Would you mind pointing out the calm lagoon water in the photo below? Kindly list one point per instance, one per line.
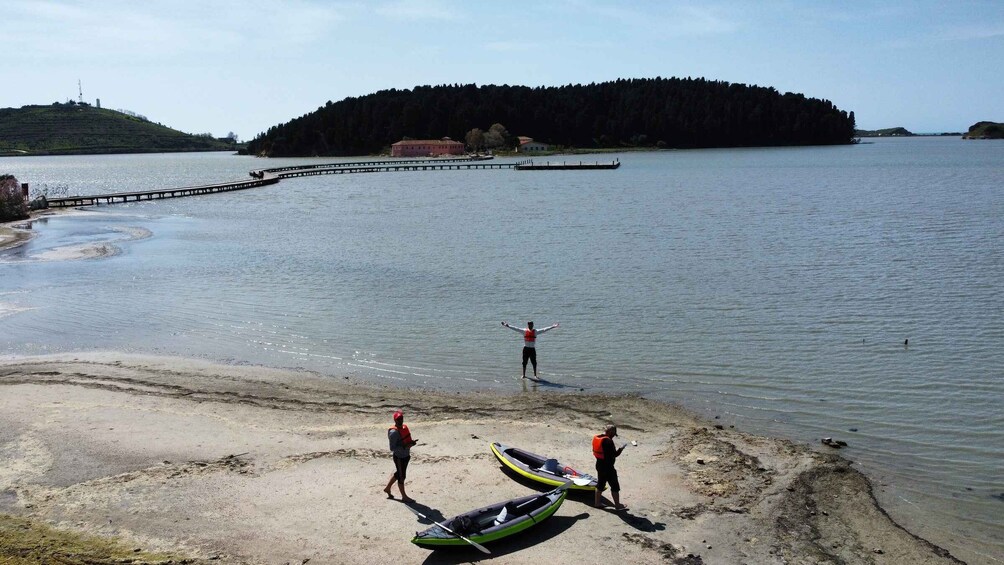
(773, 288)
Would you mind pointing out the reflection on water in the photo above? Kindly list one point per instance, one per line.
(773, 288)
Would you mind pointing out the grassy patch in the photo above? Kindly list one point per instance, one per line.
(62, 129)
(24, 542)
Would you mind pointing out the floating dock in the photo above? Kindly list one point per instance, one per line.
(566, 166)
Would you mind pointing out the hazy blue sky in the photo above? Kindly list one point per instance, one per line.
(219, 66)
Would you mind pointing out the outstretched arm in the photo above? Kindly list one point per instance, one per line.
(513, 328)
(548, 328)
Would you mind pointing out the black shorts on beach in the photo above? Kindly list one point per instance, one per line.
(531, 354)
(401, 467)
(606, 474)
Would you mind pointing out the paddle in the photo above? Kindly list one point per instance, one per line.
(477, 545)
(581, 482)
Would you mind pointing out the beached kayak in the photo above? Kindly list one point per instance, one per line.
(541, 469)
(492, 523)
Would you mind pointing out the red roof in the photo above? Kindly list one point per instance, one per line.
(427, 142)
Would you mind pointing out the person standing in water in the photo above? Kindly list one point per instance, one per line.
(529, 343)
(400, 447)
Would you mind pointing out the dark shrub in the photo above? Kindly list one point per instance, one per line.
(12, 203)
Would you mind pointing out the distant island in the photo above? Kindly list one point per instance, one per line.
(74, 128)
(887, 132)
(985, 130)
(902, 132)
(626, 113)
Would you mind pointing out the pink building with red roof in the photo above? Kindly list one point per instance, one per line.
(426, 148)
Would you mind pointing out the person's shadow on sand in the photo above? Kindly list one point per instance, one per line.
(552, 527)
(537, 384)
(640, 523)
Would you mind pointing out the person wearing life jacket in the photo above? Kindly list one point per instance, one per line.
(529, 343)
(400, 447)
(606, 454)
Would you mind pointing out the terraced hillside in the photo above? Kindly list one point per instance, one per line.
(63, 129)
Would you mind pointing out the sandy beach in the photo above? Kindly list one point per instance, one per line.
(18, 232)
(12, 237)
(236, 464)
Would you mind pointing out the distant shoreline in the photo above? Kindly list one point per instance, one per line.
(952, 134)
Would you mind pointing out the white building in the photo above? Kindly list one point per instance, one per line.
(528, 145)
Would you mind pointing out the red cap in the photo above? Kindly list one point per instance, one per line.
(398, 415)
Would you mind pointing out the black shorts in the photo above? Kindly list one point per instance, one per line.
(606, 474)
(531, 354)
(401, 467)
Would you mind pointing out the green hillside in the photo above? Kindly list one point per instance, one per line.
(65, 129)
(985, 130)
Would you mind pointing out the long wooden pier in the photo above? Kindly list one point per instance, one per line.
(383, 168)
(371, 163)
(119, 197)
(265, 177)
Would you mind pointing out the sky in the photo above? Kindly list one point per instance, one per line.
(221, 67)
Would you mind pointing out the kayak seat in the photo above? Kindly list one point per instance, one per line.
(551, 466)
(508, 512)
(531, 505)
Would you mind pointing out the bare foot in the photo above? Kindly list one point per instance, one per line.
(389, 495)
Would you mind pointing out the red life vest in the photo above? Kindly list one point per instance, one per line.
(598, 446)
(405, 435)
(530, 335)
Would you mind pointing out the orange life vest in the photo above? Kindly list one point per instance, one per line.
(530, 335)
(598, 446)
(405, 435)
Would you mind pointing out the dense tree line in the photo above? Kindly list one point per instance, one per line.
(673, 112)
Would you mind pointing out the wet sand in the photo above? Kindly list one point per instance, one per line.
(11, 237)
(252, 465)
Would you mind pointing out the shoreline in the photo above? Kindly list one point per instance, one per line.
(15, 233)
(258, 465)
(12, 237)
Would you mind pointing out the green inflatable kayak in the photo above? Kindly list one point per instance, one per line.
(492, 523)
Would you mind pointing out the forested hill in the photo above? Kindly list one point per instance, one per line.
(675, 113)
(71, 128)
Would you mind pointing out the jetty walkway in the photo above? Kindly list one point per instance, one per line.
(264, 177)
(566, 166)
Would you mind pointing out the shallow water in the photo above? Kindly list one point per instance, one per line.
(773, 288)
